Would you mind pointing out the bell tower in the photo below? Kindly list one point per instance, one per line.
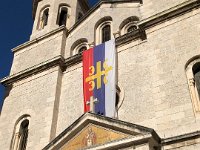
(50, 14)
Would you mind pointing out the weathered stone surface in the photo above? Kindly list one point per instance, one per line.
(151, 73)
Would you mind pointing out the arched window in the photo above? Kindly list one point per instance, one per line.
(79, 46)
(106, 33)
(20, 137)
(119, 98)
(23, 134)
(44, 18)
(193, 76)
(196, 72)
(103, 30)
(131, 28)
(129, 25)
(83, 48)
(62, 16)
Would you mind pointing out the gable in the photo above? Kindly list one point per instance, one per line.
(93, 135)
(92, 131)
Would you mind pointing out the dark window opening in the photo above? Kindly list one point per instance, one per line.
(106, 33)
(62, 17)
(196, 72)
(80, 15)
(132, 28)
(45, 17)
(23, 133)
(117, 100)
(82, 49)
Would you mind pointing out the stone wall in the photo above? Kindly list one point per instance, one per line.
(152, 72)
(34, 96)
(152, 7)
(38, 52)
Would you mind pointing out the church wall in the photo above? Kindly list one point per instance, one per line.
(34, 96)
(152, 72)
(71, 100)
(87, 28)
(152, 7)
(38, 52)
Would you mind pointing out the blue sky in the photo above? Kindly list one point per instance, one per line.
(15, 28)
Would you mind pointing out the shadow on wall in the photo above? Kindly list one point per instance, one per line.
(6, 92)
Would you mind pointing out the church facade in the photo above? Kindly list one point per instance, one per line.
(158, 77)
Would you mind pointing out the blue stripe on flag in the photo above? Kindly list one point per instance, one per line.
(99, 55)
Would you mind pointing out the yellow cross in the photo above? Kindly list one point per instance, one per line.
(98, 75)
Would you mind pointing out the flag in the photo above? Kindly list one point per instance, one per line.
(99, 79)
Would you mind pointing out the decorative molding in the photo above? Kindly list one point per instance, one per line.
(134, 35)
(139, 133)
(58, 60)
(62, 28)
(184, 137)
(169, 13)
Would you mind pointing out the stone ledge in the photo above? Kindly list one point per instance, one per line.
(58, 60)
(169, 13)
(184, 137)
(26, 44)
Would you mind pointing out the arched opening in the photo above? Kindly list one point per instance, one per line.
(131, 28)
(44, 17)
(23, 134)
(79, 46)
(83, 48)
(117, 100)
(62, 18)
(192, 69)
(129, 25)
(20, 134)
(103, 30)
(196, 72)
(106, 33)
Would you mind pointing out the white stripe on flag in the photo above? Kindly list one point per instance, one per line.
(110, 87)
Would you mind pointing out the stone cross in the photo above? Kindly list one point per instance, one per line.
(92, 103)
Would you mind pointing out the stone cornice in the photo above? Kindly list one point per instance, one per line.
(169, 13)
(95, 7)
(26, 44)
(56, 61)
(134, 35)
(184, 137)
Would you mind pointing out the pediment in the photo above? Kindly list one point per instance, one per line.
(92, 131)
(93, 135)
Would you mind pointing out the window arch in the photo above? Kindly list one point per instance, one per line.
(62, 16)
(44, 17)
(131, 28)
(119, 98)
(79, 46)
(103, 30)
(106, 33)
(21, 131)
(129, 25)
(193, 76)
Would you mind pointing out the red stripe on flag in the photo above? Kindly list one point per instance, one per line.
(87, 63)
